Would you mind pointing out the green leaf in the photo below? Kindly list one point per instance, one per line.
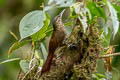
(118, 13)
(81, 13)
(64, 3)
(95, 77)
(68, 24)
(106, 38)
(44, 51)
(117, 8)
(41, 34)
(61, 3)
(47, 8)
(96, 10)
(10, 60)
(100, 75)
(17, 45)
(49, 31)
(24, 64)
(31, 23)
(41, 62)
(115, 22)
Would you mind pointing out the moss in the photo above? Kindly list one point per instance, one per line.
(90, 49)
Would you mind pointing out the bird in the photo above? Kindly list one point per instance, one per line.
(56, 40)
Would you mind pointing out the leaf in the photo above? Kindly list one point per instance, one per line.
(64, 3)
(58, 3)
(117, 8)
(46, 8)
(100, 75)
(31, 23)
(13, 34)
(49, 31)
(96, 10)
(17, 45)
(61, 3)
(41, 34)
(118, 13)
(81, 11)
(106, 28)
(41, 62)
(38, 36)
(10, 60)
(44, 51)
(106, 38)
(24, 64)
(51, 1)
(115, 22)
(68, 23)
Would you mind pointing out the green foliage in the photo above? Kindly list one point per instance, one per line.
(17, 45)
(31, 23)
(44, 51)
(98, 76)
(36, 25)
(2, 2)
(106, 38)
(118, 13)
(115, 22)
(113, 17)
(49, 31)
(96, 10)
(64, 3)
(68, 24)
(9, 60)
(41, 33)
(24, 64)
(58, 3)
(61, 3)
(82, 13)
(117, 9)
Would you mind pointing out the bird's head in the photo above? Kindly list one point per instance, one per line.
(58, 20)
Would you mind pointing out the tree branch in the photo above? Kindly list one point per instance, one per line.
(109, 55)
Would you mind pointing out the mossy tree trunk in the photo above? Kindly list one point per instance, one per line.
(77, 58)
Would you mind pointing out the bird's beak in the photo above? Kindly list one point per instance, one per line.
(61, 14)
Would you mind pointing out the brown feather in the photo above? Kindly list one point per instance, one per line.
(56, 40)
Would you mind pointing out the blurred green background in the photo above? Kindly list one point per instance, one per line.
(11, 12)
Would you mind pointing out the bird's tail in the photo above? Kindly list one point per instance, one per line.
(46, 66)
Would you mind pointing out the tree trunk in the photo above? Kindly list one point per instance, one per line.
(77, 58)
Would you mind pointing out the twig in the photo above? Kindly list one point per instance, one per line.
(28, 72)
(109, 55)
(19, 75)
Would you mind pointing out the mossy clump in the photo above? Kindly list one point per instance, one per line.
(89, 50)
